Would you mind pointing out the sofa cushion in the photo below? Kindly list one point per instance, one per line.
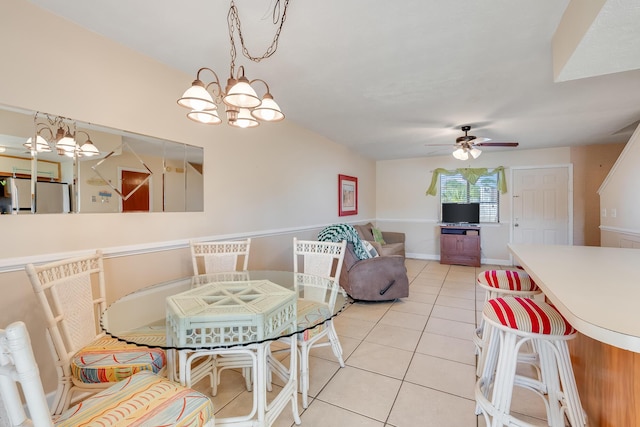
(364, 231)
(394, 242)
(392, 249)
(377, 236)
(369, 247)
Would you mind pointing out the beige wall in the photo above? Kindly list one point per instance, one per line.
(591, 164)
(619, 193)
(270, 183)
(401, 203)
(272, 177)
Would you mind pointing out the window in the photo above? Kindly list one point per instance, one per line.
(456, 189)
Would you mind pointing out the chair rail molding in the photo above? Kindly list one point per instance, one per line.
(19, 263)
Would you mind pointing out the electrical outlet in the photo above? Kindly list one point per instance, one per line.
(603, 212)
(613, 213)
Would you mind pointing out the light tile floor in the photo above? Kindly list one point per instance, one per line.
(409, 362)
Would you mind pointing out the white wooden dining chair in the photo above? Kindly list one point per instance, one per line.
(144, 398)
(208, 258)
(218, 257)
(71, 294)
(323, 259)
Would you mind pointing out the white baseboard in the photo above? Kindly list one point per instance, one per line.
(432, 257)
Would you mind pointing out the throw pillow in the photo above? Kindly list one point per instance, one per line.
(370, 249)
(377, 236)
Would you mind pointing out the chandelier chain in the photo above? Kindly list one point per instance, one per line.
(233, 20)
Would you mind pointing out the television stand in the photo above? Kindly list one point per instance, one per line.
(460, 244)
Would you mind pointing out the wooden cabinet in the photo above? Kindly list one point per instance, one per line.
(460, 245)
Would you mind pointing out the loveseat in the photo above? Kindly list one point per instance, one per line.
(392, 242)
(381, 278)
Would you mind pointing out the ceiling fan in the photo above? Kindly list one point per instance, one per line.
(467, 145)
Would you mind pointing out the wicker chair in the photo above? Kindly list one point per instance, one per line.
(322, 259)
(71, 293)
(142, 399)
(218, 257)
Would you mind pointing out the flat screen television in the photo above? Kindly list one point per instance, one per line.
(461, 213)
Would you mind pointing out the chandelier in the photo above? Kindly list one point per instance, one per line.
(243, 107)
(63, 140)
(465, 150)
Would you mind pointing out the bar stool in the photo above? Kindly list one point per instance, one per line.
(514, 322)
(500, 283)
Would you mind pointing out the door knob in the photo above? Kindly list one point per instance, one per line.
(516, 225)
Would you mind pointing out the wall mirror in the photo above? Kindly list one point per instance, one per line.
(99, 170)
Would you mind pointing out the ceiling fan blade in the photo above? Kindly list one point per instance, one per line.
(440, 145)
(497, 144)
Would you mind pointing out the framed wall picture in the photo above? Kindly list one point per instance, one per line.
(347, 195)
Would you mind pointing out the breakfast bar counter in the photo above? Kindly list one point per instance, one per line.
(597, 289)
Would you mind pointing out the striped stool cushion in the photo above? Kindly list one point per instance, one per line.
(144, 399)
(110, 360)
(510, 280)
(527, 315)
(311, 313)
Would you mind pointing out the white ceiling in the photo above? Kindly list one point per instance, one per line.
(386, 78)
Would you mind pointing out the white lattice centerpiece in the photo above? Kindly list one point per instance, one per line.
(230, 313)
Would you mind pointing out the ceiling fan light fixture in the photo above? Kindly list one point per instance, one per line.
(475, 152)
(467, 145)
(461, 154)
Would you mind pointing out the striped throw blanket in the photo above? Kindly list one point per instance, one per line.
(340, 232)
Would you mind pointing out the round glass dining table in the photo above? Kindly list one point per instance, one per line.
(229, 313)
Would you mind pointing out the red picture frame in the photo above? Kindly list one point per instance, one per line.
(347, 195)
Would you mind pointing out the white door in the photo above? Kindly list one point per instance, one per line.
(541, 206)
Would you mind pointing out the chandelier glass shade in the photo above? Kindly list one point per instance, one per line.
(243, 106)
(41, 145)
(63, 140)
(208, 117)
(268, 111)
(242, 95)
(87, 149)
(244, 119)
(197, 98)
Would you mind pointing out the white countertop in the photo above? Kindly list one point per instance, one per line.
(597, 289)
